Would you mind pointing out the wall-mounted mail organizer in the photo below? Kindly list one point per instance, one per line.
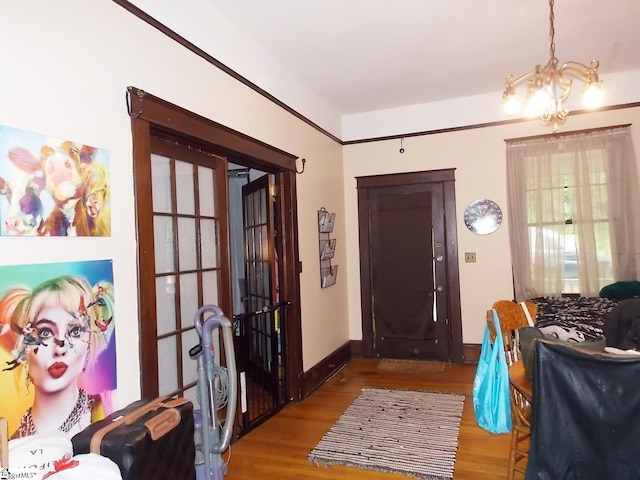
(328, 272)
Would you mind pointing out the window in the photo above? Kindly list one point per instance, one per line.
(571, 200)
(558, 236)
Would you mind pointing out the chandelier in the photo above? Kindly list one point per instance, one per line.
(548, 87)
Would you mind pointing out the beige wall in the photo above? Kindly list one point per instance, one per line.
(65, 68)
(478, 156)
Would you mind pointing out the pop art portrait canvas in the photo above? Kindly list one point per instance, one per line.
(52, 187)
(57, 346)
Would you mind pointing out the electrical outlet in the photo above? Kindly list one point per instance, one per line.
(470, 257)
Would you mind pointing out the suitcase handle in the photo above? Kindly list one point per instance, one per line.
(163, 423)
(128, 419)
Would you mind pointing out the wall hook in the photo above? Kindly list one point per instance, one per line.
(304, 160)
(401, 147)
(129, 100)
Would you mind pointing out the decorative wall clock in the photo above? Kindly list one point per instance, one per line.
(483, 216)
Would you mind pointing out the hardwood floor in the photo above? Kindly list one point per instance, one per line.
(278, 448)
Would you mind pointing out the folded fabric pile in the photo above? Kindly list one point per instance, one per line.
(573, 314)
(50, 456)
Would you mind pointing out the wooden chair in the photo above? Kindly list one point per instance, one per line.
(509, 324)
(512, 317)
(520, 433)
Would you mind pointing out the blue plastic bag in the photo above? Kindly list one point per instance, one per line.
(491, 400)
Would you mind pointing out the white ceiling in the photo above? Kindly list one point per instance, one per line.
(367, 55)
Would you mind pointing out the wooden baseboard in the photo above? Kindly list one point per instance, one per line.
(332, 363)
(356, 348)
(324, 370)
(471, 352)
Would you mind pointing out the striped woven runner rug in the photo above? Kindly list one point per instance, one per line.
(407, 432)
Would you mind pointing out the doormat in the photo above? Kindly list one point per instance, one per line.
(400, 431)
(410, 366)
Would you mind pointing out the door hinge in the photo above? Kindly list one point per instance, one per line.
(273, 190)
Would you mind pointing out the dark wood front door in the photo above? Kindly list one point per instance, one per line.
(407, 293)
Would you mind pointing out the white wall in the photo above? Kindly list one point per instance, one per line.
(478, 155)
(619, 89)
(200, 23)
(65, 69)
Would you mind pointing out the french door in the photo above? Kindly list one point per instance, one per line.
(189, 192)
(260, 330)
(181, 159)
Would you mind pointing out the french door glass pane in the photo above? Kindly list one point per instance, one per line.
(210, 287)
(189, 366)
(185, 199)
(160, 184)
(167, 365)
(163, 242)
(206, 187)
(264, 243)
(266, 280)
(166, 304)
(188, 298)
(187, 244)
(208, 242)
(251, 244)
(263, 208)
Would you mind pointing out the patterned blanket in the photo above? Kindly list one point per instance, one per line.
(569, 318)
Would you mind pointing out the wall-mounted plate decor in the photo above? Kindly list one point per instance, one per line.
(483, 216)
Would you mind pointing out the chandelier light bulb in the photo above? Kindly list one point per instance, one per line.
(539, 104)
(511, 104)
(593, 96)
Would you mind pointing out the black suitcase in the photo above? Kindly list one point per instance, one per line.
(148, 440)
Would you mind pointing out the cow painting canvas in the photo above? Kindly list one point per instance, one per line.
(52, 187)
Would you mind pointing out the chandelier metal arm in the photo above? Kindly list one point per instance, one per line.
(514, 82)
(577, 70)
(581, 71)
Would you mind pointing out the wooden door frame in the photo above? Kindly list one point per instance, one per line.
(151, 114)
(447, 178)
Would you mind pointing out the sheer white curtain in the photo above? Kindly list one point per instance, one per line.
(578, 195)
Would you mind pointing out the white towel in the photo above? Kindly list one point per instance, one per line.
(50, 456)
